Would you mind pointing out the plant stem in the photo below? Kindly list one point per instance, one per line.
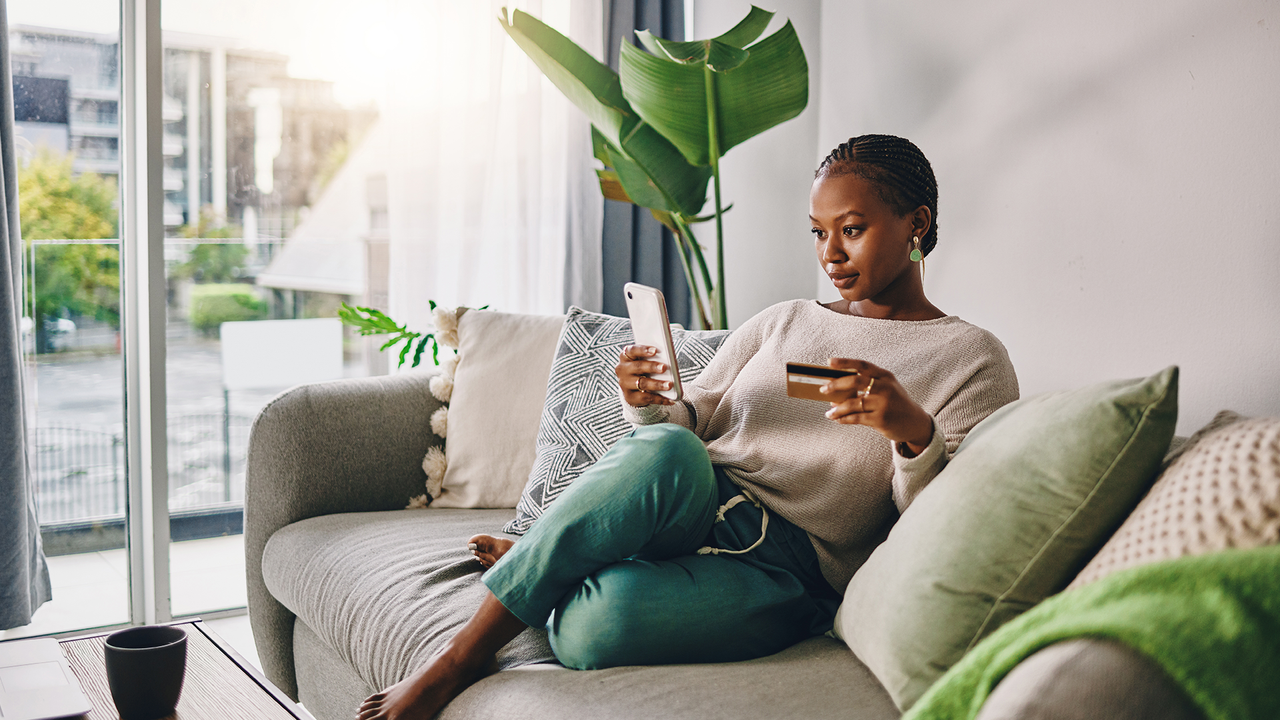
(684, 234)
(713, 138)
(697, 254)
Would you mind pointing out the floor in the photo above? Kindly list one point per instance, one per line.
(91, 590)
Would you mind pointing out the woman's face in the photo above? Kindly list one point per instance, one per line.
(862, 245)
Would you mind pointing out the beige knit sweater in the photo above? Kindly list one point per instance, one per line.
(843, 484)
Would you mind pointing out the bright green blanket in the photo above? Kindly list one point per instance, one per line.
(1212, 622)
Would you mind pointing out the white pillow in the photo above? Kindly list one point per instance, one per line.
(504, 360)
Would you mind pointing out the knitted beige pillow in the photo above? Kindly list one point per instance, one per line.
(1220, 490)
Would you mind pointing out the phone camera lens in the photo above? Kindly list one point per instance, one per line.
(629, 295)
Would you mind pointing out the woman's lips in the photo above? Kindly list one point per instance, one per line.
(844, 282)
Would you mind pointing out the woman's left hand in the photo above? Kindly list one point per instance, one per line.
(874, 397)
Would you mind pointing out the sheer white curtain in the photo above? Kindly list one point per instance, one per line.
(491, 195)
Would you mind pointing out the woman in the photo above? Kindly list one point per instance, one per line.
(728, 524)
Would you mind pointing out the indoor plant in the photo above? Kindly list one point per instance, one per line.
(662, 123)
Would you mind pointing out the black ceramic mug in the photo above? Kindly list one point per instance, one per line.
(145, 667)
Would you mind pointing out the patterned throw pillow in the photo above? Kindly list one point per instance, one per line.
(582, 417)
(1222, 490)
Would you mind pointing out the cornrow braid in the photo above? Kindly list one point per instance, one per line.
(901, 174)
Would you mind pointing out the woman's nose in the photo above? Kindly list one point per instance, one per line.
(832, 252)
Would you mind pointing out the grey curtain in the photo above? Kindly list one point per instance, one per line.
(24, 576)
(634, 246)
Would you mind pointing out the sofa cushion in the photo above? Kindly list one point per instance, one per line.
(582, 416)
(1028, 497)
(377, 593)
(385, 590)
(816, 679)
(1221, 491)
(780, 685)
(495, 407)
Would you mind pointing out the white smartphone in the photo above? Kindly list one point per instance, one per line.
(649, 326)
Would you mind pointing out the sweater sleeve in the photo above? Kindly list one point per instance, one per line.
(703, 394)
(993, 385)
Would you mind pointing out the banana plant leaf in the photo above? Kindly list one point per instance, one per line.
(768, 87)
(588, 83)
(738, 37)
(723, 52)
(650, 170)
(623, 179)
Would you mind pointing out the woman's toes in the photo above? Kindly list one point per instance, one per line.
(488, 549)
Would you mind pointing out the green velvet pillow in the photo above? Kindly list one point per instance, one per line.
(1028, 498)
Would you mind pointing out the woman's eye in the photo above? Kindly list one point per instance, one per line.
(848, 232)
(818, 232)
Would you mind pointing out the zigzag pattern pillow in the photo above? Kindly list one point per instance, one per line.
(582, 417)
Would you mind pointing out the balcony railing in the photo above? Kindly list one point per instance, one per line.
(80, 471)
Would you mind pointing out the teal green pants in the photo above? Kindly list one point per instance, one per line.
(610, 569)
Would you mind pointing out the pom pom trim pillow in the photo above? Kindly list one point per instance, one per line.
(1029, 496)
(582, 416)
(494, 406)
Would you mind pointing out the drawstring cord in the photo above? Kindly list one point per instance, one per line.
(735, 500)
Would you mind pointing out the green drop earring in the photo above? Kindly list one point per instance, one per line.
(916, 255)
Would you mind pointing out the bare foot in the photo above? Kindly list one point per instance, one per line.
(489, 549)
(424, 693)
(468, 657)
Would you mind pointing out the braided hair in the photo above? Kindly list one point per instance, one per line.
(900, 173)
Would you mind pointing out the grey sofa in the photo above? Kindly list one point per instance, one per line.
(348, 592)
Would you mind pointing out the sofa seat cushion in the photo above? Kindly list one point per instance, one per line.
(818, 678)
(385, 590)
(381, 592)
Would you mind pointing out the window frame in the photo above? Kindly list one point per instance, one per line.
(143, 313)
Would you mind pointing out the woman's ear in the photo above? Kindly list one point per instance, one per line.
(921, 221)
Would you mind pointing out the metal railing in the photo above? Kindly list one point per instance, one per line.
(80, 472)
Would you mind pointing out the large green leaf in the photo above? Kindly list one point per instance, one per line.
(671, 97)
(655, 175)
(770, 87)
(720, 56)
(718, 51)
(588, 83)
(746, 32)
(682, 183)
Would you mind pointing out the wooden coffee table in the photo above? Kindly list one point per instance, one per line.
(219, 684)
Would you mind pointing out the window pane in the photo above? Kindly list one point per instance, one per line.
(65, 56)
(250, 150)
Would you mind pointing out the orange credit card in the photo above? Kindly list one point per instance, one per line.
(803, 380)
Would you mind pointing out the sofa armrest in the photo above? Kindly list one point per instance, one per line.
(334, 447)
(1088, 678)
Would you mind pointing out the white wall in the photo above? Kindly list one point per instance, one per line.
(1109, 177)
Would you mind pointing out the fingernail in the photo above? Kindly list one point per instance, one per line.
(662, 368)
(831, 412)
(473, 546)
(824, 389)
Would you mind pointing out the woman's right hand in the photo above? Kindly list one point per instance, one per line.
(633, 372)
